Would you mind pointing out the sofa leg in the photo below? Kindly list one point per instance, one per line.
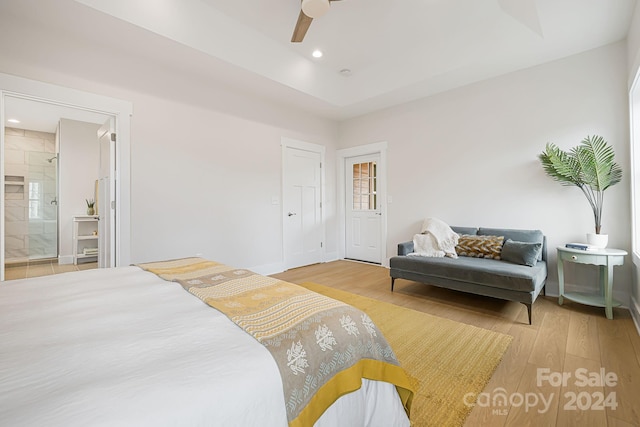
(544, 289)
(528, 311)
(393, 279)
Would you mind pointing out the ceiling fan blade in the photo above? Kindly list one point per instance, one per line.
(301, 28)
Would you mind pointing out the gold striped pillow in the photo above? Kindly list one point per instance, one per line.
(480, 246)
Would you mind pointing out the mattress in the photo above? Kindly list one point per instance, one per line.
(123, 347)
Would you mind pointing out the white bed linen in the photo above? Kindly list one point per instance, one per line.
(117, 347)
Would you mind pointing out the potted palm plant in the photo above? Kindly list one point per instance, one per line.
(589, 166)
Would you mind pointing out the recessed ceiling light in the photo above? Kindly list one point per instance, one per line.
(13, 121)
(317, 53)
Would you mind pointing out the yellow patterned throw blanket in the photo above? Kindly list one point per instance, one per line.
(322, 346)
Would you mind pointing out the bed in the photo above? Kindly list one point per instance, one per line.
(124, 346)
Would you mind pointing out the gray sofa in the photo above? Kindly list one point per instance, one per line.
(489, 277)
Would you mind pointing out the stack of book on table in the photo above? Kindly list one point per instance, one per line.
(582, 246)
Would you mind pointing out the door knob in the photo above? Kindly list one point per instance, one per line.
(291, 214)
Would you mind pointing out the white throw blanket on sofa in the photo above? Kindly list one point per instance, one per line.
(437, 239)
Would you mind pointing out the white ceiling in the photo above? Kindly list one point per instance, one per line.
(397, 51)
(43, 116)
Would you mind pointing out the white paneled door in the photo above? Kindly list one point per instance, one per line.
(302, 210)
(363, 222)
(106, 196)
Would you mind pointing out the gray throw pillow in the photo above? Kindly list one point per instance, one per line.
(521, 252)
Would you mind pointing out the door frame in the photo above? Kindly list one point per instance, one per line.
(634, 156)
(66, 97)
(286, 144)
(361, 150)
(107, 250)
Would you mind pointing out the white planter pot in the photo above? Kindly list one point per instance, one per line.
(598, 240)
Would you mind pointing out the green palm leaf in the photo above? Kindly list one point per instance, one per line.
(597, 165)
(589, 166)
(560, 165)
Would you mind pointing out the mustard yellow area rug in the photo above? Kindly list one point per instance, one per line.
(446, 359)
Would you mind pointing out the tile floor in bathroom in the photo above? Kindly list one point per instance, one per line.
(42, 268)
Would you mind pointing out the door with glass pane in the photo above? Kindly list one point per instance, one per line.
(363, 209)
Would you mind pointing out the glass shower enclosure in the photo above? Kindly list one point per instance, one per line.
(43, 205)
(31, 196)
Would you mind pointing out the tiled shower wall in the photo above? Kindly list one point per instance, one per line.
(30, 216)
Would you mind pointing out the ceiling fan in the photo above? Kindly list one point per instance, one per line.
(309, 10)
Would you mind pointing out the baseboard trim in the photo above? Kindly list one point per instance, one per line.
(279, 267)
(635, 313)
(267, 269)
(65, 259)
(330, 256)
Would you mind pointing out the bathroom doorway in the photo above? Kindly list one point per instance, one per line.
(38, 135)
(81, 109)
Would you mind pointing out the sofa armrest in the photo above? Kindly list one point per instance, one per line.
(405, 248)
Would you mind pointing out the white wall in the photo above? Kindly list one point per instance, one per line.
(469, 156)
(633, 45)
(205, 184)
(79, 160)
(205, 156)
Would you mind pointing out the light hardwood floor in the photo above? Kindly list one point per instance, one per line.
(563, 339)
(571, 339)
